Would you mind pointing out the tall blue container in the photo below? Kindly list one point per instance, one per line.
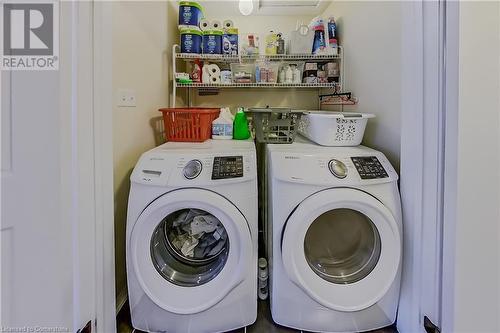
(191, 40)
(212, 42)
(190, 13)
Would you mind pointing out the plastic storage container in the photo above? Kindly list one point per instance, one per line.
(295, 71)
(334, 128)
(212, 42)
(190, 13)
(275, 125)
(268, 71)
(243, 73)
(191, 39)
(188, 124)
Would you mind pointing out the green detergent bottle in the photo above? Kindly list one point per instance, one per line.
(240, 126)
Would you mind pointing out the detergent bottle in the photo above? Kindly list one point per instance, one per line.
(222, 127)
(241, 131)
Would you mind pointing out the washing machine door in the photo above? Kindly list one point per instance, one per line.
(343, 248)
(189, 249)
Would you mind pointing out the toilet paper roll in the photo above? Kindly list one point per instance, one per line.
(215, 25)
(215, 79)
(205, 25)
(227, 24)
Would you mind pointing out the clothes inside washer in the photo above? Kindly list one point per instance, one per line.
(197, 234)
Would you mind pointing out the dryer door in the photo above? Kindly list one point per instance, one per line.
(343, 248)
(189, 249)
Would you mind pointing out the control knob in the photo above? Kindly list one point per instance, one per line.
(192, 169)
(337, 168)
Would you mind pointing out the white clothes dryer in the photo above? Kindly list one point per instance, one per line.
(192, 237)
(334, 237)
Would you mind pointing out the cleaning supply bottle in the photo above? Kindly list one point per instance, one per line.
(319, 43)
(289, 75)
(281, 77)
(222, 127)
(280, 44)
(332, 36)
(240, 126)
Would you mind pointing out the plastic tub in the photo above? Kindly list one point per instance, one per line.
(297, 72)
(191, 39)
(243, 73)
(268, 71)
(190, 13)
(212, 42)
(188, 124)
(334, 128)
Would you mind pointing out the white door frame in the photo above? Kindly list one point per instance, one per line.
(103, 145)
(81, 103)
(428, 152)
(429, 118)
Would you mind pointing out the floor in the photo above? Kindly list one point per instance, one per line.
(264, 323)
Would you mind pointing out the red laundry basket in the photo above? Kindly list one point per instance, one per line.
(188, 124)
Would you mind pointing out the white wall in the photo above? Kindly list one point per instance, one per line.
(477, 254)
(370, 33)
(139, 63)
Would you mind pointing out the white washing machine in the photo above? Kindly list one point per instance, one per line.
(334, 237)
(192, 237)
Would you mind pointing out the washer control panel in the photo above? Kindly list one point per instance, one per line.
(227, 167)
(369, 167)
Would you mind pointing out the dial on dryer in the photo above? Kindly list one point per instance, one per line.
(337, 168)
(192, 169)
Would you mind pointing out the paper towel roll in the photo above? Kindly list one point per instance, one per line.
(205, 25)
(214, 70)
(227, 24)
(211, 74)
(215, 25)
(205, 76)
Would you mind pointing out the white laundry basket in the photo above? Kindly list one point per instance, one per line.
(334, 128)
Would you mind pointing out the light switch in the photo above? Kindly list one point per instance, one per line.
(126, 98)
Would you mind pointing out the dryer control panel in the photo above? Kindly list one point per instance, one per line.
(332, 166)
(369, 167)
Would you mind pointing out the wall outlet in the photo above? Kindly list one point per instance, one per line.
(126, 98)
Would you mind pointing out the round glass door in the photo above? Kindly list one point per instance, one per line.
(342, 246)
(189, 247)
